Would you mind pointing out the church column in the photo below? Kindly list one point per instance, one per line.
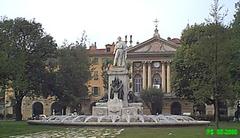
(144, 75)
(168, 78)
(149, 75)
(163, 77)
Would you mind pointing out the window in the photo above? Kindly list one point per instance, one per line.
(95, 75)
(137, 87)
(108, 49)
(95, 91)
(156, 81)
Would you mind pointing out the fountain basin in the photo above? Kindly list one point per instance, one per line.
(120, 121)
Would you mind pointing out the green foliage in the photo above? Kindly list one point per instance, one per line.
(191, 35)
(73, 74)
(24, 50)
(105, 67)
(235, 42)
(202, 66)
(152, 96)
(194, 65)
(210, 54)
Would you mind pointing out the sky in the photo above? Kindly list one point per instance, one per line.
(105, 20)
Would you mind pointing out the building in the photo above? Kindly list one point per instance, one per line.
(149, 63)
(99, 63)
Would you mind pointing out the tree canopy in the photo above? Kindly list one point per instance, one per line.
(24, 50)
(235, 42)
(205, 67)
(194, 66)
(153, 98)
(73, 74)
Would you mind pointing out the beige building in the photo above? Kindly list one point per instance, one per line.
(99, 59)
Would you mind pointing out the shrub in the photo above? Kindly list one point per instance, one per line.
(152, 97)
(1, 116)
(9, 116)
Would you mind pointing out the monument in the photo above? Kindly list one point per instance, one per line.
(117, 103)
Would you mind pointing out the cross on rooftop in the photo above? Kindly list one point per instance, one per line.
(156, 22)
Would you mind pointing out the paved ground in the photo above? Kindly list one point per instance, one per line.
(75, 133)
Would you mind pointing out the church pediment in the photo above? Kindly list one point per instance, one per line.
(154, 45)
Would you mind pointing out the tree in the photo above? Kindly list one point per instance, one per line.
(25, 48)
(235, 42)
(105, 67)
(153, 98)
(201, 65)
(72, 75)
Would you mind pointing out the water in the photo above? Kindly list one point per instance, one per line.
(118, 119)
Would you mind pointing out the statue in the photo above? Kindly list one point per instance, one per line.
(104, 98)
(120, 53)
(120, 92)
(117, 87)
(131, 97)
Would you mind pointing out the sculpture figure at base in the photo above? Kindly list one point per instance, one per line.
(117, 87)
(104, 98)
(131, 97)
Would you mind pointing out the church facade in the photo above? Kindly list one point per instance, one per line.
(151, 67)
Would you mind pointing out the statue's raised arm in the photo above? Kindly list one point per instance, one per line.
(120, 53)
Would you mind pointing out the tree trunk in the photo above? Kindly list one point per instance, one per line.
(216, 112)
(18, 110)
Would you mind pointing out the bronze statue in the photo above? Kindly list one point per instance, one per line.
(117, 87)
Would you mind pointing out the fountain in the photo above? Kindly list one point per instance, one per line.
(117, 111)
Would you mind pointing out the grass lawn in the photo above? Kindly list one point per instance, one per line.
(10, 128)
(178, 132)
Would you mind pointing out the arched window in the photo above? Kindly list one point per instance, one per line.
(137, 84)
(199, 109)
(156, 81)
(176, 108)
(57, 109)
(37, 109)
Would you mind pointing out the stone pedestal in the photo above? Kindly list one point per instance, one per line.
(115, 106)
(137, 106)
(122, 74)
(129, 111)
(99, 111)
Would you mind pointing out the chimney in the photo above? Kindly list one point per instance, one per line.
(137, 43)
(130, 40)
(169, 39)
(93, 46)
(126, 39)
